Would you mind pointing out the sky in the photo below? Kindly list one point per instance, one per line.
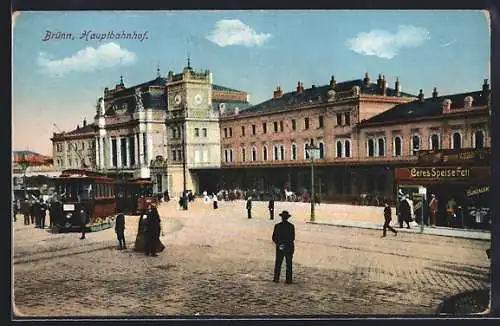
(57, 81)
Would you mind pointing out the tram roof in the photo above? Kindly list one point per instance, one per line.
(81, 173)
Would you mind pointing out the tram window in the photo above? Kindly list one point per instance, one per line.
(85, 191)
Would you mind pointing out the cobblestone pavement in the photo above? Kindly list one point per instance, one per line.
(218, 262)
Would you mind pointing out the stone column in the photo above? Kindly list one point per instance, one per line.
(119, 162)
(141, 148)
(97, 158)
(101, 153)
(127, 150)
(136, 149)
(110, 140)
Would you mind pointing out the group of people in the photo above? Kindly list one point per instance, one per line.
(35, 212)
(148, 235)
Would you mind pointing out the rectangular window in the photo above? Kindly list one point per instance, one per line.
(306, 123)
(243, 130)
(281, 126)
(294, 126)
(174, 156)
(339, 119)
(243, 154)
(230, 132)
(179, 154)
(253, 129)
(204, 132)
(231, 154)
(83, 146)
(275, 126)
(264, 127)
(347, 118)
(196, 132)
(114, 149)
(320, 121)
(225, 155)
(225, 132)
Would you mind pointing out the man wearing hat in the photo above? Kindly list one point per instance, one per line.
(284, 237)
(249, 207)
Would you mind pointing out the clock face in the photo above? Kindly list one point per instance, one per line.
(198, 99)
(178, 99)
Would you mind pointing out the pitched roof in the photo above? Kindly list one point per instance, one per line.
(316, 95)
(430, 107)
(230, 106)
(225, 89)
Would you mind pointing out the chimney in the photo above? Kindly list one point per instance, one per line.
(446, 106)
(77, 127)
(397, 87)
(333, 83)
(278, 92)
(366, 80)
(421, 96)
(313, 86)
(300, 87)
(84, 122)
(384, 85)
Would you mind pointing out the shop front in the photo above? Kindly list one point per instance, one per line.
(461, 193)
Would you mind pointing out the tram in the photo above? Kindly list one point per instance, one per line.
(132, 196)
(90, 190)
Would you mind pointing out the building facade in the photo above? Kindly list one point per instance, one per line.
(263, 147)
(75, 148)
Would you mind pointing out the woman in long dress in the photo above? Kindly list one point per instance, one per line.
(141, 232)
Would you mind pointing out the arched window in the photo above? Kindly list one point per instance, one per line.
(415, 144)
(381, 147)
(456, 140)
(347, 150)
(339, 148)
(397, 146)
(434, 142)
(371, 147)
(264, 153)
(275, 150)
(243, 154)
(231, 155)
(282, 152)
(306, 154)
(479, 139)
(294, 151)
(321, 150)
(254, 153)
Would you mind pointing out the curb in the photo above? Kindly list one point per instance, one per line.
(414, 230)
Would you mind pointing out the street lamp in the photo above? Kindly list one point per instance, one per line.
(313, 152)
(184, 193)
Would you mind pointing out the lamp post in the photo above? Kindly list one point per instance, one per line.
(184, 194)
(313, 152)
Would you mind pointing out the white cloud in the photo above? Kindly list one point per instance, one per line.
(234, 32)
(88, 59)
(386, 45)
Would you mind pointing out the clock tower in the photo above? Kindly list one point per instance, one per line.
(192, 128)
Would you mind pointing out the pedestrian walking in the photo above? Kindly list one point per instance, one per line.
(55, 212)
(433, 209)
(26, 207)
(270, 206)
(284, 237)
(36, 212)
(404, 212)
(153, 232)
(249, 207)
(43, 214)
(140, 239)
(215, 200)
(83, 220)
(388, 218)
(120, 230)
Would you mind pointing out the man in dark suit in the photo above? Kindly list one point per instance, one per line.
(249, 207)
(120, 230)
(55, 212)
(36, 211)
(271, 209)
(43, 214)
(404, 212)
(83, 220)
(284, 237)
